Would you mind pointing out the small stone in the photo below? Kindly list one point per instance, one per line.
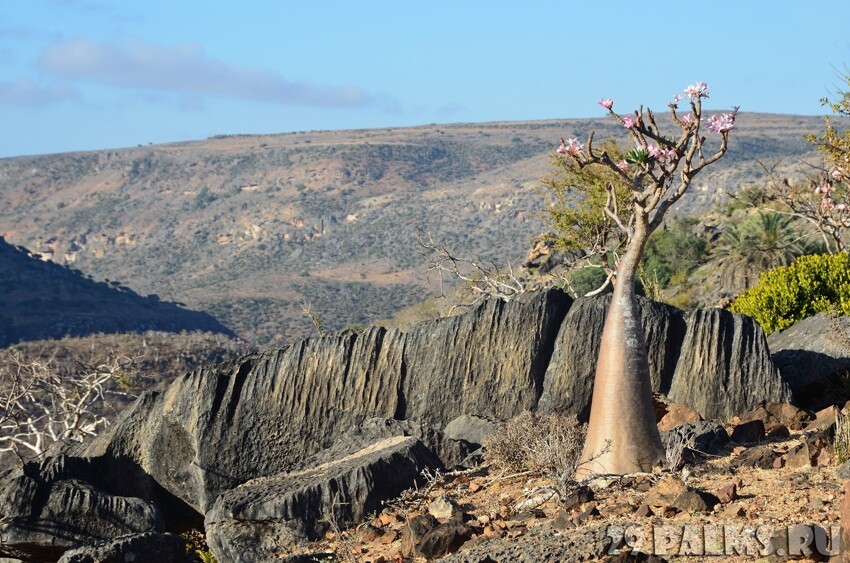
(389, 537)
(666, 491)
(620, 509)
(824, 419)
(777, 463)
(727, 493)
(677, 415)
(749, 432)
(475, 487)
(562, 521)
(579, 496)
(442, 507)
(443, 539)
(734, 511)
(779, 432)
(483, 519)
(369, 533)
(643, 511)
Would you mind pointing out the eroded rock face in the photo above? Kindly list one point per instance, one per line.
(161, 548)
(267, 413)
(809, 354)
(725, 367)
(46, 512)
(254, 521)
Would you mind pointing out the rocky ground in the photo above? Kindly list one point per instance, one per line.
(780, 472)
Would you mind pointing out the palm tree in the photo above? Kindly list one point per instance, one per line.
(760, 242)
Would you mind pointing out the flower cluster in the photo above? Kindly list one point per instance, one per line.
(607, 103)
(629, 121)
(660, 153)
(688, 119)
(721, 123)
(698, 90)
(571, 147)
(623, 166)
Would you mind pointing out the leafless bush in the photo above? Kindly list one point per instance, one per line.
(841, 443)
(550, 444)
(39, 407)
(482, 280)
(675, 450)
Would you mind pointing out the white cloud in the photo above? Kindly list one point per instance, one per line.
(186, 69)
(28, 93)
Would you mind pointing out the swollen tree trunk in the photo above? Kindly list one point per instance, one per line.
(622, 436)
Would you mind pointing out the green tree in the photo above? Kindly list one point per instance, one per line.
(762, 241)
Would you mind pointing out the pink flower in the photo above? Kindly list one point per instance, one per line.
(825, 189)
(660, 153)
(607, 103)
(721, 123)
(675, 103)
(688, 119)
(841, 207)
(827, 204)
(698, 90)
(629, 122)
(837, 175)
(623, 166)
(571, 147)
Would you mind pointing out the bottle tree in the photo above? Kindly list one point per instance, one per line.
(622, 435)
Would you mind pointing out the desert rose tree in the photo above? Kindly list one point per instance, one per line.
(622, 436)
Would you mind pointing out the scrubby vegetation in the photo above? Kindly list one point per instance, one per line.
(787, 294)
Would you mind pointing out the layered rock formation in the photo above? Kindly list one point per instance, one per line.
(229, 442)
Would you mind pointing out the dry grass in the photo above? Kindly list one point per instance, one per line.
(545, 444)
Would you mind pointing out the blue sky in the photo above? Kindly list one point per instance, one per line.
(92, 74)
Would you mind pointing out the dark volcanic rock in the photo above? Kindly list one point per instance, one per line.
(810, 354)
(254, 521)
(725, 368)
(705, 436)
(490, 360)
(159, 548)
(568, 385)
(46, 512)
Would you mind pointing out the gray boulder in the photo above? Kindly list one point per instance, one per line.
(45, 512)
(724, 367)
(161, 548)
(254, 521)
(810, 355)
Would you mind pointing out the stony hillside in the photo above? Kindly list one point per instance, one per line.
(246, 228)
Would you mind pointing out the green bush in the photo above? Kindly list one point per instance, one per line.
(787, 294)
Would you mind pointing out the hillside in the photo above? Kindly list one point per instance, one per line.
(42, 300)
(246, 228)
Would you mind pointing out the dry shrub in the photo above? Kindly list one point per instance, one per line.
(841, 443)
(548, 444)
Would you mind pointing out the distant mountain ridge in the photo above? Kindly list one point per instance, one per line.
(247, 227)
(42, 300)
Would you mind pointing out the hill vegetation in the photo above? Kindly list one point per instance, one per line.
(247, 228)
